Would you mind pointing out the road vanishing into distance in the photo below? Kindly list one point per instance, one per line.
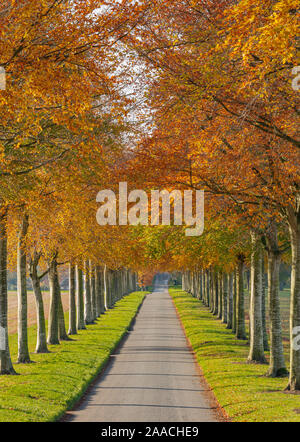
(152, 377)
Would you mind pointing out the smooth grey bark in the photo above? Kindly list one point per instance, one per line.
(79, 299)
(234, 302)
(240, 301)
(53, 337)
(212, 290)
(108, 288)
(192, 284)
(23, 351)
(263, 308)
(72, 301)
(120, 283)
(195, 284)
(215, 290)
(203, 285)
(6, 366)
(200, 276)
(117, 286)
(87, 294)
(114, 282)
(256, 353)
(230, 301)
(62, 332)
(294, 228)
(220, 294)
(225, 297)
(105, 284)
(102, 289)
(41, 341)
(92, 290)
(207, 287)
(98, 291)
(112, 288)
(277, 367)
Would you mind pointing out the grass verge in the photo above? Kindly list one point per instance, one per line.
(47, 388)
(240, 388)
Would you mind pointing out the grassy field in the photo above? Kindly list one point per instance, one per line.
(13, 308)
(46, 388)
(285, 311)
(241, 389)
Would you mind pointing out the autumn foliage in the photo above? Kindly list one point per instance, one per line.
(183, 94)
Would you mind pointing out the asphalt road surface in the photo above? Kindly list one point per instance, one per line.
(153, 376)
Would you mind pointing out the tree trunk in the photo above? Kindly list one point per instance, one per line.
(200, 285)
(277, 366)
(225, 297)
(240, 301)
(23, 352)
(256, 353)
(102, 289)
(41, 342)
(62, 332)
(98, 291)
(72, 301)
(234, 303)
(109, 288)
(207, 287)
(6, 366)
(79, 299)
(113, 287)
(215, 289)
(230, 301)
(212, 290)
(93, 291)
(294, 227)
(263, 308)
(54, 304)
(87, 294)
(105, 277)
(203, 285)
(220, 292)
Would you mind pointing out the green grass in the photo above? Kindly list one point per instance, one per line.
(241, 389)
(285, 312)
(44, 390)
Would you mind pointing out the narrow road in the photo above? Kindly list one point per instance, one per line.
(153, 376)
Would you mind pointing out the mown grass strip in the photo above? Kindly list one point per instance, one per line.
(241, 389)
(45, 389)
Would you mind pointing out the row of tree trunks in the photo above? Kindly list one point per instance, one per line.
(223, 294)
(88, 297)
